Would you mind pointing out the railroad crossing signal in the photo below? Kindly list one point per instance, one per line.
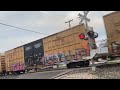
(90, 34)
(91, 44)
(95, 35)
(82, 36)
(84, 17)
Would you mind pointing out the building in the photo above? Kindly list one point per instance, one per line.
(112, 27)
(67, 42)
(2, 62)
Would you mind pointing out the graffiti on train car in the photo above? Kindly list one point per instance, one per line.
(34, 55)
(17, 67)
(53, 58)
(63, 57)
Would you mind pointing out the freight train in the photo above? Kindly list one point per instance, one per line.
(112, 27)
(62, 47)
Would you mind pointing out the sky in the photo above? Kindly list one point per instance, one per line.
(47, 22)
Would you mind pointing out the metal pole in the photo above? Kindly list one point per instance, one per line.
(89, 40)
(86, 27)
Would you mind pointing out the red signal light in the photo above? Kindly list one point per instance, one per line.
(81, 36)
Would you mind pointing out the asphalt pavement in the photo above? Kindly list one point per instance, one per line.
(40, 75)
(35, 75)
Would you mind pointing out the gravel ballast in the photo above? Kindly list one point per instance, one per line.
(100, 73)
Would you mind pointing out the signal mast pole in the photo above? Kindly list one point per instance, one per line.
(84, 18)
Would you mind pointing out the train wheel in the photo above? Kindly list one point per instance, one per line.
(17, 72)
(86, 63)
(73, 65)
(81, 63)
(7, 73)
(13, 72)
(68, 65)
(23, 71)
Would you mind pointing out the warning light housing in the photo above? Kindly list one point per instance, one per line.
(82, 36)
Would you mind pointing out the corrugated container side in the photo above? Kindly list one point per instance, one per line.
(14, 57)
(65, 41)
(112, 27)
(2, 61)
(0, 67)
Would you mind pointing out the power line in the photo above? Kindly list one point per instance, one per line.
(22, 28)
(54, 18)
(27, 29)
(59, 21)
(31, 30)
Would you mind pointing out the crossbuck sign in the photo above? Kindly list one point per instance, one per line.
(84, 17)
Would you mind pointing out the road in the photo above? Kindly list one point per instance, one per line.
(36, 75)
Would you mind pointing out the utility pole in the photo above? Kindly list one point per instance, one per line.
(69, 23)
(84, 18)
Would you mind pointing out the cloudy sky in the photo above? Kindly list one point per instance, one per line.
(47, 22)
